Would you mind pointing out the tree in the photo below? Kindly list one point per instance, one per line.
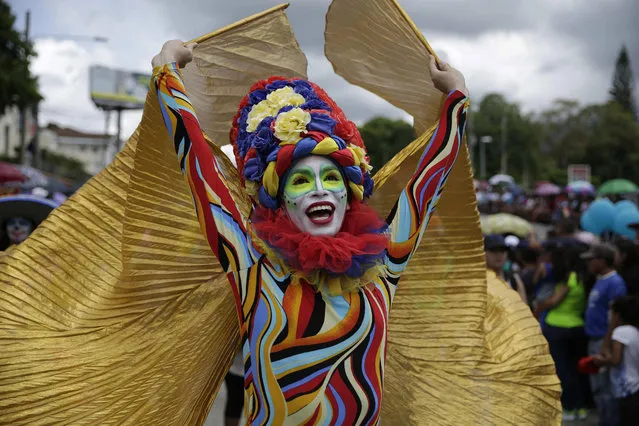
(622, 83)
(613, 147)
(384, 138)
(565, 132)
(18, 87)
(522, 135)
(63, 166)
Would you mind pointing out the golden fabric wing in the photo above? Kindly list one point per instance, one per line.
(222, 73)
(461, 350)
(115, 311)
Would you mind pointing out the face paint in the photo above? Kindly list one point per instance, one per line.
(18, 229)
(315, 196)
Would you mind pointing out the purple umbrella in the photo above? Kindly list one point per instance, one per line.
(580, 187)
(547, 189)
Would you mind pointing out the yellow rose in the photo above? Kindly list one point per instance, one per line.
(258, 113)
(289, 125)
(360, 157)
(285, 96)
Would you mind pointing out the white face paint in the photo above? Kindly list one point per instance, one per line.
(18, 229)
(315, 196)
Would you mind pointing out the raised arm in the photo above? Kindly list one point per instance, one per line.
(221, 222)
(417, 201)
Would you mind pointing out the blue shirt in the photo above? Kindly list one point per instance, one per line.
(606, 289)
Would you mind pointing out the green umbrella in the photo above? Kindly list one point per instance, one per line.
(617, 186)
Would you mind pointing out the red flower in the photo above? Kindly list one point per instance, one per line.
(345, 129)
(233, 133)
(260, 85)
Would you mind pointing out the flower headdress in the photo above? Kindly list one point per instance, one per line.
(281, 121)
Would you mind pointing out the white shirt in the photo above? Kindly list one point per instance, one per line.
(625, 376)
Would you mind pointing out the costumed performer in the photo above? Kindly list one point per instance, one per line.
(313, 270)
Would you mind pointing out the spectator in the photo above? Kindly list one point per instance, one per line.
(608, 287)
(635, 226)
(529, 258)
(624, 358)
(496, 257)
(234, 381)
(565, 232)
(564, 329)
(545, 279)
(629, 264)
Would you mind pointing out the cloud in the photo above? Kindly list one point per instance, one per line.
(63, 71)
(532, 51)
(528, 67)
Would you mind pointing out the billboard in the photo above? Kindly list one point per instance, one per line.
(578, 172)
(116, 89)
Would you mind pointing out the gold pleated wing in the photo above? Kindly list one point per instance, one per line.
(115, 311)
(463, 349)
(232, 59)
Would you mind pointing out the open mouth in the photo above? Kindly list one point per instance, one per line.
(320, 213)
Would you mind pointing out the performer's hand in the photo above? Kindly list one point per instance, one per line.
(446, 78)
(174, 51)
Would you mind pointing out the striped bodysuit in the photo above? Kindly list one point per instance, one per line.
(309, 357)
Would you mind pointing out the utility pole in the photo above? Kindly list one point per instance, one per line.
(23, 110)
(472, 143)
(504, 152)
(107, 138)
(118, 141)
(471, 139)
(482, 155)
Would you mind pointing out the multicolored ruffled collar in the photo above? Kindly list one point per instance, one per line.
(349, 260)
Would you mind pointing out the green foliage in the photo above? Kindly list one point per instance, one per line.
(522, 134)
(613, 145)
(17, 85)
(539, 147)
(622, 83)
(565, 133)
(384, 138)
(9, 159)
(605, 136)
(63, 166)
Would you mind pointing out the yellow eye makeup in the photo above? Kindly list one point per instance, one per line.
(303, 180)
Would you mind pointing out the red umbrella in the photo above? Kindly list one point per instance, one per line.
(10, 173)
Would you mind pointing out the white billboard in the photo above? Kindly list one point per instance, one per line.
(116, 89)
(578, 172)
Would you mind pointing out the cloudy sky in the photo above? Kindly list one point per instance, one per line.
(533, 51)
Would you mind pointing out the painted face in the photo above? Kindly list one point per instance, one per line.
(18, 229)
(315, 196)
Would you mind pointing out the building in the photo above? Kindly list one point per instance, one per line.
(88, 148)
(91, 149)
(10, 135)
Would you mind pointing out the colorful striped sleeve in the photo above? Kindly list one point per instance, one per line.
(416, 203)
(220, 220)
